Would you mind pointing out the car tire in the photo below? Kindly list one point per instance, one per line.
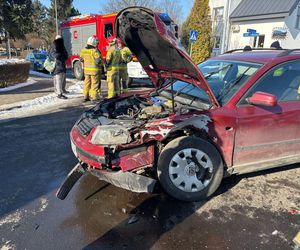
(130, 81)
(180, 173)
(78, 70)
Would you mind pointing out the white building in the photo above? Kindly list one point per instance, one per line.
(271, 19)
(220, 12)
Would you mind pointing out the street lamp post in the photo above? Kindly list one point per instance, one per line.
(8, 46)
(56, 21)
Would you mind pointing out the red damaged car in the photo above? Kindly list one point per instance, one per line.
(232, 114)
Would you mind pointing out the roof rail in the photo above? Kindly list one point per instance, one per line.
(287, 52)
(252, 49)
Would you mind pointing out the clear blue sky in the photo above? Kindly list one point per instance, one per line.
(94, 6)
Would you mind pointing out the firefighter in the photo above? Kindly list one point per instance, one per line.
(126, 57)
(113, 58)
(93, 62)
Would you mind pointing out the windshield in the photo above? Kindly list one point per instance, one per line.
(226, 77)
(39, 56)
(223, 77)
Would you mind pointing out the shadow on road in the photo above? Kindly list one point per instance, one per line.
(149, 219)
(35, 155)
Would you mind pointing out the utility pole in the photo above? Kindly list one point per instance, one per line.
(191, 50)
(8, 46)
(56, 21)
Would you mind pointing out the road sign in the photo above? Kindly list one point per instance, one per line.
(248, 34)
(193, 35)
(251, 30)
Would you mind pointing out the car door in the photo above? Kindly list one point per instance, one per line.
(267, 134)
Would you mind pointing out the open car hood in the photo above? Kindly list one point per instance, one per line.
(157, 48)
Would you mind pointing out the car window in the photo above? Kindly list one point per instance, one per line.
(226, 77)
(283, 81)
(108, 30)
(39, 56)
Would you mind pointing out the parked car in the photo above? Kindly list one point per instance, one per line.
(37, 60)
(5, 54)
(232, 114)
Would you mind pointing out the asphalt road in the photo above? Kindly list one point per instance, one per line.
(256, 211)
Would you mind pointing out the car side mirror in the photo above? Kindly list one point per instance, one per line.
(263, 99)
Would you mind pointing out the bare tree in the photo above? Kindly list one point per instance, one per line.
(117, 5)
(172, 7)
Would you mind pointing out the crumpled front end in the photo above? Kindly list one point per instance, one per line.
(119, 140)
(108, 136)
(127, 133)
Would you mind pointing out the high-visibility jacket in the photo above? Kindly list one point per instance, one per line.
(113, 58)
(126, 57)
(92, 61)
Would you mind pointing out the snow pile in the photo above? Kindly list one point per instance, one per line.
(44, 102)
(17, 86)
(11, 61)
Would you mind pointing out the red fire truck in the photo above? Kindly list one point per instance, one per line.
(76, 30)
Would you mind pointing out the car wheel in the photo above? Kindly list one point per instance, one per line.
(190, 168)
(78, 70)
(130, 81)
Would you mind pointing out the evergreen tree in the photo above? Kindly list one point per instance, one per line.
(65, 9)
(200, 21)
(184, 35)
(39, 19)
(15, 18)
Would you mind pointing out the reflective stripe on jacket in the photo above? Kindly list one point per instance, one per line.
(113, 58)
(92, 61)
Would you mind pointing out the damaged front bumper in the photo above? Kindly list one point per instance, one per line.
(97, 156)
(126, 180)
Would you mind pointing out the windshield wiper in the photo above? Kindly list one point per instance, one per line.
(217, 71)
(230, 84)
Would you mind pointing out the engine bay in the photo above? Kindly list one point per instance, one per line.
(139, 108)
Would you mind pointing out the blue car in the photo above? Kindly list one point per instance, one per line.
(37, 60)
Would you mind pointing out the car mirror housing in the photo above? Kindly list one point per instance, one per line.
(262, 99)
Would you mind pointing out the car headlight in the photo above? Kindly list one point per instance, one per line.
(110, 135)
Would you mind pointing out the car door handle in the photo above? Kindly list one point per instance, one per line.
(228, 128)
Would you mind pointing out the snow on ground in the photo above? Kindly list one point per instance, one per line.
(18, 85)
(26, 107)
(11, 61)
(35, 73)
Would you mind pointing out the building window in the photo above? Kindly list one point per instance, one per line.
(298, 18)
(217, 26)
(218, 20)
(261, 41)
(217, 42)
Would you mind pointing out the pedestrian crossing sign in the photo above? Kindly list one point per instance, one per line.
(193, 35)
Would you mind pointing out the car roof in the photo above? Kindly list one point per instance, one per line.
(261, 57)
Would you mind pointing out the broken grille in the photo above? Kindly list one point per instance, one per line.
(85, 126)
